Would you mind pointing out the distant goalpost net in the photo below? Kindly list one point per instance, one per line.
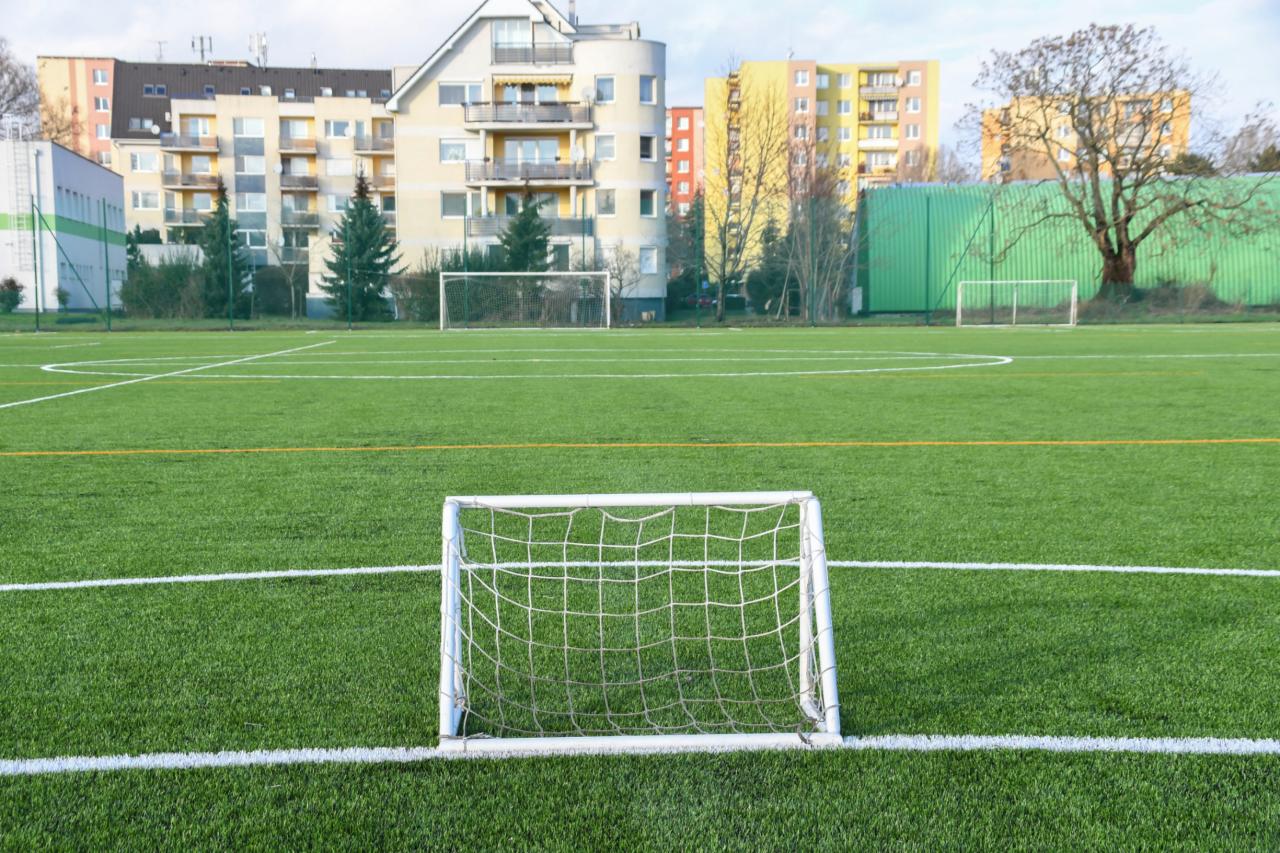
(528, 300)
(623, 623)
(1047, 302)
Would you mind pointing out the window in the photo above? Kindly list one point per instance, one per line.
(802, 105)
(337, 129)
(265, 91)
(1064, 131)
(145, 200)
(802, 131)
(882, 159)
(290, 94)
(245, 90)
(648, 260)
(338, 202)
(1166, 105)
(879, 131)
(824, 134)
(200, 164)
(648, 147)
(294, 128)
(844, 108)
(683, 167)
(846, 81)
(913, 78)
(141, 124)
(604, 146)
(684, 208)
(350, 93)
(821, 161)
(913, 157)
(845, 134)
(143, 162)
(251, 202)
(842, 188)
(844, 160)
(453, 150)
(824, 107)
(913, 131)
(251, 165)
(195, 126)
(202, 201)
(606, 203)
(209, 91)
(682, 145)
(560, 257)
(104, 131)
(824, 81)
(648, 89)
(384, 93)
(913, 105)
(604, 90)
(340, 168)
(453, 94)
(1063, 155)
(453, 205)
(683, 123)
(326, 91)
(512, 32)
(1136, 108)
(800, 159)
(101, 104)
(802, 78)
(248, 127)
(683, 187)
(1166, 150)
(100, 77)
(648, 203)
(1166, 129)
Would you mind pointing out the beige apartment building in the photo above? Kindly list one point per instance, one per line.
(523, 102)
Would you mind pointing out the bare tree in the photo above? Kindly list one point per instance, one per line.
(819, 229)
(623, 266)
(1101, 110)
(19, 93)
(950, 166)
(295, 271)
(60, 122)
(746, 166)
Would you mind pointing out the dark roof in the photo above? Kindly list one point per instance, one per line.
(189, 81)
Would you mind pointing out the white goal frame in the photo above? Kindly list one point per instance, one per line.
(1014, 284)
(607, 277)
(815, 635)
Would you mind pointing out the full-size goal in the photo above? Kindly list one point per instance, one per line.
(636, 622)
(525, 300)
(1048, 302)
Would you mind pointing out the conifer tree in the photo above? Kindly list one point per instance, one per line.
(220, 243)
(365, 253)
(525, 242)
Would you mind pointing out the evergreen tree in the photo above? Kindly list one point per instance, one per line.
(525, 242)
(135, 238)
(1268, 160)
(364, 251)
(220, 242)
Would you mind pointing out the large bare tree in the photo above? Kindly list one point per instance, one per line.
(19, 93)
(819, 228)
(1101, 110)
(745, 161)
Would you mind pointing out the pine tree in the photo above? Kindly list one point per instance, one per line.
(220, 243)
(525, 242)
(365, 252)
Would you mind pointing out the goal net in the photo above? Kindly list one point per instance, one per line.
(632, 622)
(1016, 303)
(524, 300)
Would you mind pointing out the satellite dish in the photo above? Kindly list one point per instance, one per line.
(578, 153)
(279, 168)
(588, 94)
(155, 130)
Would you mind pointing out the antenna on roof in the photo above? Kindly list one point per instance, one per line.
(258, 47)
(313, 60)
(573, 13)
(160, 50)
(202, 45)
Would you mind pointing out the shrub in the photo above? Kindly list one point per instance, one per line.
(10, 295)
(170, 289)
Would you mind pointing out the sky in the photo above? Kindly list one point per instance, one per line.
(1237, 40)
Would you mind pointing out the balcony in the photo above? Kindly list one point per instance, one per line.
(295, 255)
(181, 180)
(297, 145)
(186, 216)
(492, 226)
(383, 183)
(299, 182)
(882, 89)
(299, 219)
(533, 54)
(524, 115)
(884, 115)
(179, 142)
(882, 144)
(526, 172)
(374, 145)
(389, 217)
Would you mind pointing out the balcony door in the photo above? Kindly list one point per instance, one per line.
(535, 150)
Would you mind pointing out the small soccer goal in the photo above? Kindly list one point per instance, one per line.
(528, 300)
(626, 623)
(1049, 302)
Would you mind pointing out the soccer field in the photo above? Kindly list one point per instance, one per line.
(1041, 459)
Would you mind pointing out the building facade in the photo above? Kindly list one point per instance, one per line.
(523, 104)
(77, 256)
(684, 157)
(76, 94)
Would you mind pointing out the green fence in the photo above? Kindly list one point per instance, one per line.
(916, 242)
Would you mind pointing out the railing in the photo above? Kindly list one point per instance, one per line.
(299, 219)
(298, 144)
(890, 115)
(177, 140)
(383, 182)
(526, 113)
(492, 226)
(295, 255)
(303, 182)
(532, 54)
(878, 143)
(389, 217)
(374, 144)
(878, 89)
(186, 216)
(517, 170)
(180, 179)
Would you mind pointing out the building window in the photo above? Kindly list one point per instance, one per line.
(913, 131)
(104, 158)
(209, 91)
(879, 131)
(251, 165)
(251, 202)
(254, 128)
(605, 146)
(201, 164)
(145, 200)
(913, 105)
(453, 150)
(245, 90)
(338, 202)
(800, 159)
(684, 208)
(802, 105)
(648, 260)
(844, 108)
(683, 123)
(824, 107)
(1166, 150)
(882, 159)
(1166, 129)
(684, 187)
(337, 129)
(100, 77)
(802, 78)
(683, 167)
(648, 89)
(606, 203)
(913, 157)
(824, 134)
(1064, 131)
(845, 134)
(648, 147)
(1166, 105)
(682, 144)
(453, 205)
(101, 104)
(913, 78)
(144, 161)
(104, 131)
(141, 124)
(648, 202)
(340, 168)
(846, 81)
(844, 160)
(289, 94)
(604, 90)
(326, 91)
(802, 131)
(453, 94)
(824, 81)
(1063, 155)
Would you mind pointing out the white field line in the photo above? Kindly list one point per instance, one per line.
(879, 743)
(835, 564)
(134, 381)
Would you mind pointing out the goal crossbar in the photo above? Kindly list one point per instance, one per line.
(519, 636)
(1070, 287)
(532, 293)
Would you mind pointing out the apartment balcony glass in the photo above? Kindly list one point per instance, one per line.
(556, 114)
(526, 171)
(186, 216)
(493, 226)
(375, 145)
(182, 142)
(880, 115)
(295, 255)
(299, 182)
(383, 183)
(515, 53)
(181, 180)
(298, 144)
(878, 144)
(880, 89)
(389, 217)
(300, 219)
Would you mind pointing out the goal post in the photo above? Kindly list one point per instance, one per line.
(529, 300)
(635, 622)
(1031, 302)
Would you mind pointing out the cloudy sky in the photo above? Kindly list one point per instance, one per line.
(1237, 39)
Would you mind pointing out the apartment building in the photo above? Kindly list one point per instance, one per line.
(524, 103)
(1034, 138)
(76, 95)
(684, 157)
(79, 249)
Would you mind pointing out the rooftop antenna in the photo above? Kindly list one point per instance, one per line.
(160, 50)
(258, 47)
(202, 45)
(573, 13)
(313, 60)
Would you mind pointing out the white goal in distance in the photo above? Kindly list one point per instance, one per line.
(627, 623)
(528, 300)
(1044, 302)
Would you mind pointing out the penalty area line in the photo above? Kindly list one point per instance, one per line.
(402, 755)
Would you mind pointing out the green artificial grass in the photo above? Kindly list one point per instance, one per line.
(333, 662)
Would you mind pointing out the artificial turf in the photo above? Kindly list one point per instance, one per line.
(336, 662)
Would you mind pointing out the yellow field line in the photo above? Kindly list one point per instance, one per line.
(650, 445)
